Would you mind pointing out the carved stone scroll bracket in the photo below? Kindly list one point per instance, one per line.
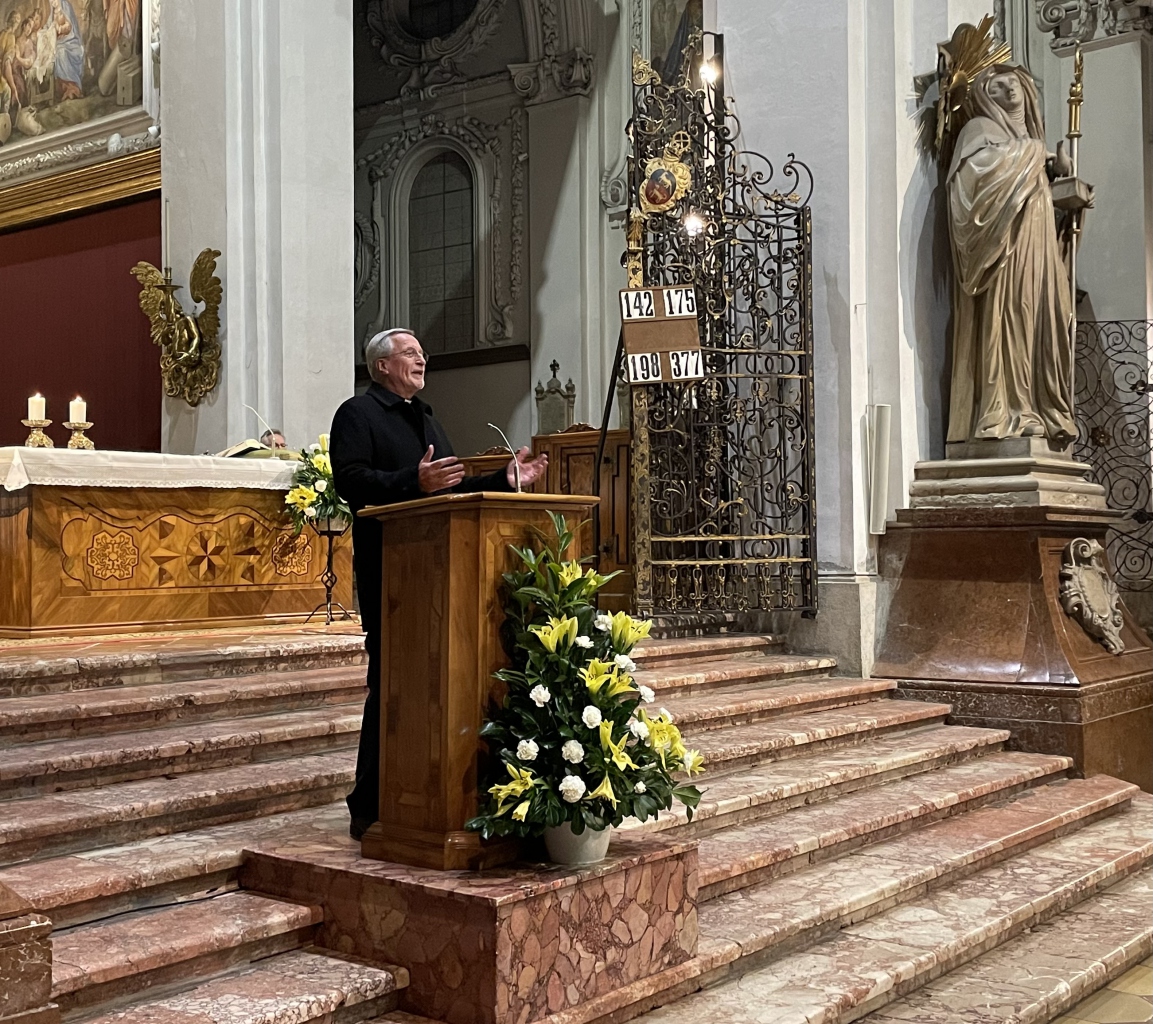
(1089, 596)
(1087, 22)
(552, 78)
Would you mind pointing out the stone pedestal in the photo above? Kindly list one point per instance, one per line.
(503, 946)
(1013, 472)
(25, 963)
(976, 619)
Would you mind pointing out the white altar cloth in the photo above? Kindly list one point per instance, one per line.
(70, 467)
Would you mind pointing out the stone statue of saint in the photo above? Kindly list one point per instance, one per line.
(1012, 348)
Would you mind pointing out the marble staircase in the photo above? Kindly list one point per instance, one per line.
(131, 786)
(857, 854)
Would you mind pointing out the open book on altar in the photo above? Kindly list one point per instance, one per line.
(253, 449)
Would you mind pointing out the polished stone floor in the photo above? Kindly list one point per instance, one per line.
(1127, 1000)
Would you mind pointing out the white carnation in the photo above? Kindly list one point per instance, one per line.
(668, 715)
(603, 622)
(638, 729)
(310, 512)
(647, 694)
(583, 641)
(640, 787)
(314, 447)
(572, 788)
(540, 695)
(526, 750)
(573, 752)
(623, 661)
(591, 716)
(320, 486)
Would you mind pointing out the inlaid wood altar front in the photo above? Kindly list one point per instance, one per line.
(441, 615)
(98, 559)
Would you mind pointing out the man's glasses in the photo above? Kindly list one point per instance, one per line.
(413, 354)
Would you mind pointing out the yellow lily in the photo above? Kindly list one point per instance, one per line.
(323, 441)
(616, 751)
(619, 683)
(604, 790)
(300, 496)
(626, 631)
(664, 737)
(596, 675)
(694, 762)
(555, 632)
(323, 462)
(520, 810)
(570, 572)
(522, 782)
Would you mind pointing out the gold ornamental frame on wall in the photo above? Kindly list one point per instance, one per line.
(79, 188)
(82, 128)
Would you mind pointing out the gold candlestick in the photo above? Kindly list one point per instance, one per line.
(78, 440)
(36, 437)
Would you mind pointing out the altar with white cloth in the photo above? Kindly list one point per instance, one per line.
(104, 541)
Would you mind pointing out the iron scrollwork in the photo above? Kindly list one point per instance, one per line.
(1113, 402)
(724, 467)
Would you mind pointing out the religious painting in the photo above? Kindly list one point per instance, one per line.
(78, 86)
(671, 23)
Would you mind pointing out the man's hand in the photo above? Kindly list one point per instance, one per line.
(531, 470)
(439, 475)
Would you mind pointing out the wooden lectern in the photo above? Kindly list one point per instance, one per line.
(441, 613)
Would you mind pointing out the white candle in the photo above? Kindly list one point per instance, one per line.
(36, 407)
(77, 410)
(167, 236)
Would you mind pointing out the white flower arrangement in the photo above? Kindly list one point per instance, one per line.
(572, 705)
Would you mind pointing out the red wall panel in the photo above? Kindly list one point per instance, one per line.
(70, 325)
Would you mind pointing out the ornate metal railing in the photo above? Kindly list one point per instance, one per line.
(1115, 436)
(724, 500)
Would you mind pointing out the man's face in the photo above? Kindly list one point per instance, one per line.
(403, 370)
(277, 441)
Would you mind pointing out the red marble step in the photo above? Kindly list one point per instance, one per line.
(748, 794)
(730, 672)
(122, 709)
(803, 906)
(77, 888)
(759, 702)
(1037, 976)
(867, 964)
(299, 987)
(662, 652)
(744, 855)
(1007, 847)
(59, 823)
(61, 764)
(161, 659)
(788, 737)
(113, 959)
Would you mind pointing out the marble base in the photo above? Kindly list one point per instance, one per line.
(505, 946)
(975, 619)
(1016, 471)
(25, 964)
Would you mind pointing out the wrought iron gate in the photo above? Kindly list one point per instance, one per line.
(724, 499)
(1114, 408)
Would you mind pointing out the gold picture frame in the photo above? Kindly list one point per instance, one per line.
(78, 188)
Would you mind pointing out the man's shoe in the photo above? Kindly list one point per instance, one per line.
(358, 827)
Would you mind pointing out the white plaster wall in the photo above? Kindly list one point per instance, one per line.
(467, 400)
(257, 162)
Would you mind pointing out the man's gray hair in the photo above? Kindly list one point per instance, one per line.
(379, 346)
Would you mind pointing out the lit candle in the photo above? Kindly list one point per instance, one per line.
(36, 407)
(77, 410)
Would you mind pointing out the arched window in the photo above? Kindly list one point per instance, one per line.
(441, 274)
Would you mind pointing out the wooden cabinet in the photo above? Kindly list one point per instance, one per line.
(571, 467)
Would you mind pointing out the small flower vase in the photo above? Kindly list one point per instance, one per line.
(566, 847)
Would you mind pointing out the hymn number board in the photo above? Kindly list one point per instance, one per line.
(662, 342)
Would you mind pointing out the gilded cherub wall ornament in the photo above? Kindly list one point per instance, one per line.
(189, 342)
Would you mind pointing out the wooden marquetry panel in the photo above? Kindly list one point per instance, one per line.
(99, 559)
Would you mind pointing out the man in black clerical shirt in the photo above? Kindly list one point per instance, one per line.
(386, 447)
